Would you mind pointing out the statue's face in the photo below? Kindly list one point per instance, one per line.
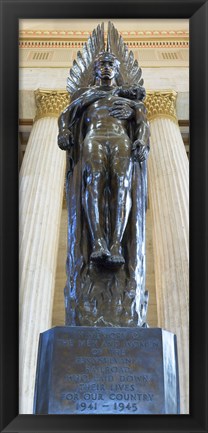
(106, 69)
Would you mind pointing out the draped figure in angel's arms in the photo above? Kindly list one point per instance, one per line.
(106, 136)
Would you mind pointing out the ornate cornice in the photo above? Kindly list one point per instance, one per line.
(50, 103)
(161, 104)
(133, 43)
(86, 33)
(76, 39)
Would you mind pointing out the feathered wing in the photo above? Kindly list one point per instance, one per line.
(130, 72)
(82, 74)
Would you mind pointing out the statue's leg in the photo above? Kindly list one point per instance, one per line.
(94, 177)
(121, 180)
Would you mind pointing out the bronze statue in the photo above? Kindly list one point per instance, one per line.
(106, 135)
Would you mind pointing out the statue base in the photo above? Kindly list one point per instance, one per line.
(89, 370)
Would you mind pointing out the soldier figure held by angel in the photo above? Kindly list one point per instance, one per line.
(106, 135)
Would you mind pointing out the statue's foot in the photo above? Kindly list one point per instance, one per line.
(116, 258)
(100, 251)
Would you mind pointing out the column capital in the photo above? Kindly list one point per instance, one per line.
(161, 103)
(50, 103)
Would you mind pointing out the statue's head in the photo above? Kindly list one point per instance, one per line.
(106, 65)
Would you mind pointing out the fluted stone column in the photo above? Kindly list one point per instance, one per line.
(169, 195)
(40, 197)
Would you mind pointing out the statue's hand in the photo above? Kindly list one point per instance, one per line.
(65, 140)
(140, 151)
(121, 110)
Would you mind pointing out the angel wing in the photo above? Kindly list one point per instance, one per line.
(130, 72)
(82, 74)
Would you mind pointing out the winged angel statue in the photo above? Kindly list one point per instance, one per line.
(106, 135)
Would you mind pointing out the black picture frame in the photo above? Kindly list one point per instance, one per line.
(197, 12)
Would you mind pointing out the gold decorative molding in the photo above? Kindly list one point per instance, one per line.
(50, 103)
(161, 104)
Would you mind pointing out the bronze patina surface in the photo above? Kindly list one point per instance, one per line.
(106, 137)
(107, 371)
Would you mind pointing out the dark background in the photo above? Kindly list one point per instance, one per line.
(11, 12)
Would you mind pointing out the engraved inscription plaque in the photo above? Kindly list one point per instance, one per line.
(107, 371)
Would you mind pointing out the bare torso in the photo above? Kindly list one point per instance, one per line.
(99, 120)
